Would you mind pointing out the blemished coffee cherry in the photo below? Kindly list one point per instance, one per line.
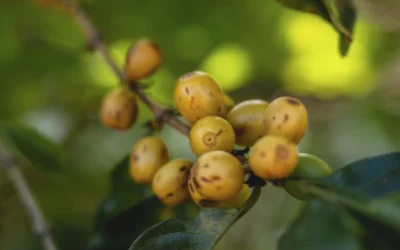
(170, 183)
(119, 109)
(197, 95)
(217, 175)
(147, 156)
(198, 198)
(229, 102)
(247, 120)
(238, 200)
(286, 116)
(273, 157)
(308, 167)
(211, 133)
(143, 59)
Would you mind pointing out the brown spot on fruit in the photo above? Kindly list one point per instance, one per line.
(285, 118)
(262, 154)
(205, 179)
(273, 118)
(196, 183)
(191, 187)
(292, 101)
(135, 158)
(216, 178)
(182, 169)
(211, 94)
(281, 152)
(144, 149)
(206, 165)
(118, 115)
(279, 127)
(187, 90)
(170, 195)
(208, 203)
(219, 109)
(187, 75)
(219, 132)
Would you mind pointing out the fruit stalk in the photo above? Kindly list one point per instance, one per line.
(95, 42)
(39, 225)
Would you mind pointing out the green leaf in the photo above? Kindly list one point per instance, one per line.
(373, 176)
(35, 147)
(321, 226)
(201, 232)
(341, 14)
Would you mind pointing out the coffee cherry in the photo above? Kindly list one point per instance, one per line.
(247, 119)
(238, 200)
(143, 59)
(217, 175)
(119, 109)
(273, 157)
(199, 199)
(170, 182)
(308, 167)
(229, 102)
(197, 95)
(286, 116)
(147, 156)
(211, 133)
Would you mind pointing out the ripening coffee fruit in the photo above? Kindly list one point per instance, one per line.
(217, 175)
(238, 200)
(119, 109)
(273, 157)
(197, 95)
(147, 156)
(198, 198)
(211, 133)
(229, 102)
(143, 59)
(170, 182)
(247, 120)
(286, 116)
(308, 167)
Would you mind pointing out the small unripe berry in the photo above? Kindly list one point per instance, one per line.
(286, 116)
(217, 175)
(308, 167)
(147, 156)
(273, 157)
(238, 200)
(247, 120)
(229, 102)
(170, 182)
(119, 109)
(143, 59)
(197, 95)
(211, 133)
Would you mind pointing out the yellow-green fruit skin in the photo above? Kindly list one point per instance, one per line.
(170, 182)
(308, 167)
(143, 59)
(238, 200)
(147, 156)
(247, 120)
(197, 95)
(211, 133)
(273, 157)
(287, 117)
(119, 109)
(217, 175)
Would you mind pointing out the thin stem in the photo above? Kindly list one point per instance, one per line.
(94, 41)
(39, 225)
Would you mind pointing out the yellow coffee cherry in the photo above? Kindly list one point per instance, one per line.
(238, 200)
(119, 109)
(197, 95)
(199, 199)
(229, 102)
(170, 183)
(211, 133)
(286, 116)
(273, 157)
(247, 120)
(143, 59)
(147, 156)
(217, 175)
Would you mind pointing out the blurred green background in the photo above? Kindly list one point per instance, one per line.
(255, 49)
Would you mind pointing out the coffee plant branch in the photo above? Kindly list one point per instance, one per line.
(39, 225)
(95, 42)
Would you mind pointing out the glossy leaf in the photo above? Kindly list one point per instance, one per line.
(201, 232)
(347, 15)
(35, 147)
(321, 226)
(373, 176)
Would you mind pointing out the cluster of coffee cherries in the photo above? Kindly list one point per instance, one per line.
(232, 142)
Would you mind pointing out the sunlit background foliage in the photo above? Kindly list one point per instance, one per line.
(255, 49)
